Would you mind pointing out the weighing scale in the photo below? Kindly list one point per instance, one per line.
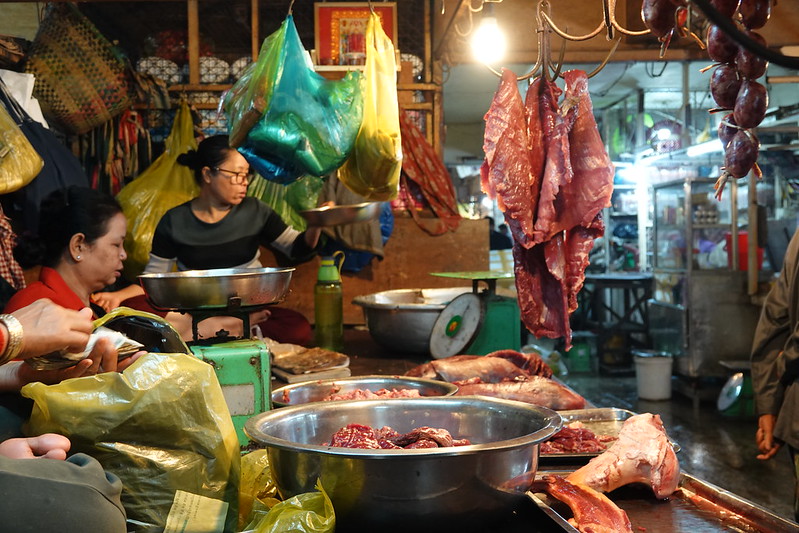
(479, 322)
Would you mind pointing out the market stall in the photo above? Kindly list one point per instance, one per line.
(331, 132)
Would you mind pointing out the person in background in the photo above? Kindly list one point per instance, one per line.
(496, 240)
(79, 247)
(42, 489)
(80, 250)
(223, 228)
(775, 367)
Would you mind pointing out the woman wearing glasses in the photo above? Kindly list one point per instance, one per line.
(223, 228)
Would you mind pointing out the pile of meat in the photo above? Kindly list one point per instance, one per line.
(548, 169)
(575, 438)
(505, 374)
(386, 438)
(366, 394)
(642, 454)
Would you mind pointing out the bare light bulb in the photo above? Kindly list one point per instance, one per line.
(488, 41)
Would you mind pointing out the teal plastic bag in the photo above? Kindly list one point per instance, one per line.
(309, 123)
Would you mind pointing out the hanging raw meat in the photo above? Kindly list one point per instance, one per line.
(506, 173)
(558, 184)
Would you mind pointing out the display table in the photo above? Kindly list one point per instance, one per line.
(614, 306)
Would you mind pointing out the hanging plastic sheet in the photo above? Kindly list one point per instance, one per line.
(373, 168)
(309, 123)
(288, 200)
(164, 185)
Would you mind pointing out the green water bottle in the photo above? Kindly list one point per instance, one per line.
(328, 305)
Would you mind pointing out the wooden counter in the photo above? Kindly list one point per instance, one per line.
(410, 256)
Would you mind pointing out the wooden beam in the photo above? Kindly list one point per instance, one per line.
(442, 41)
(194, 41)
(254, 28)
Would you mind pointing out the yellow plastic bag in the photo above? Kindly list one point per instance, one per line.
(19, 162)
(374, 165)
(163, 427)
(310, 512)
(164, 185)
(257, 489)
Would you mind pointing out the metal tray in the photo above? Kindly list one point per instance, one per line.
(696, 506)
(600, 420)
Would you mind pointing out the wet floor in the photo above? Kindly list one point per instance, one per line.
(716, 448)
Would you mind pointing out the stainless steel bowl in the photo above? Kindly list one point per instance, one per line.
(447, 489)
(334, 215)
(219, 288)
(401, 320)
(316, 391)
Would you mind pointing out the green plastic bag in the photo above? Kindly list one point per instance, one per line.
(373, 168)
(309, 123)
(164, 185)
(288, 200)
(163, 427)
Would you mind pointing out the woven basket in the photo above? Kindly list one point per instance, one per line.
(81, 79)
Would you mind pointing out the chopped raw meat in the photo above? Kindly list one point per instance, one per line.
(365, 437)
(575, 438)
(536, 390)
(593, 511)
(366, 394)
(355, 436)
(642, 454)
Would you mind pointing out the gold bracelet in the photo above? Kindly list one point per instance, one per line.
(14, 345)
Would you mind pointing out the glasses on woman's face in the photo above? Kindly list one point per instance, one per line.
(236, 178)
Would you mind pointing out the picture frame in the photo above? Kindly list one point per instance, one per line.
(340, 28)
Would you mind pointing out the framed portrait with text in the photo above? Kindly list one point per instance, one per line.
(340, 30)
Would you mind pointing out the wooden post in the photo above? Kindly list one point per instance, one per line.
(752, 244)
(194, 41)
(254, 28)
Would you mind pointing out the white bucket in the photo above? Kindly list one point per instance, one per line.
(653, 375)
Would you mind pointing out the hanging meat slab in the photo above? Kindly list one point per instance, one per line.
(506, 173)
(566, 181)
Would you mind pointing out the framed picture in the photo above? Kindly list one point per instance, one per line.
(340, 36)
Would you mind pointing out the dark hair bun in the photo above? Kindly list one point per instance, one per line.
(190, 159)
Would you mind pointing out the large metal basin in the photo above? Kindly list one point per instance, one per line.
(317, 391)
(439, 489)
(401, 320)
(216, 289)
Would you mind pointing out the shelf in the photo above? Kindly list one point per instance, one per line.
(710, 226)
(617, 214)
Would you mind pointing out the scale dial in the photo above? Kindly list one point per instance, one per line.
(457, 326)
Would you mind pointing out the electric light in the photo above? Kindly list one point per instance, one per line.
(488, 40)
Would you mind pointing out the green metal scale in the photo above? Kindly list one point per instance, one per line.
(479, 322)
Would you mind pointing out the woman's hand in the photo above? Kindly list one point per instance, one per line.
(312, 233)
(103, 358)
(47, 327)
(107, 300)
(48, 446)
(113, 299)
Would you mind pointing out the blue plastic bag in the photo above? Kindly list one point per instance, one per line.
(309, 123)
